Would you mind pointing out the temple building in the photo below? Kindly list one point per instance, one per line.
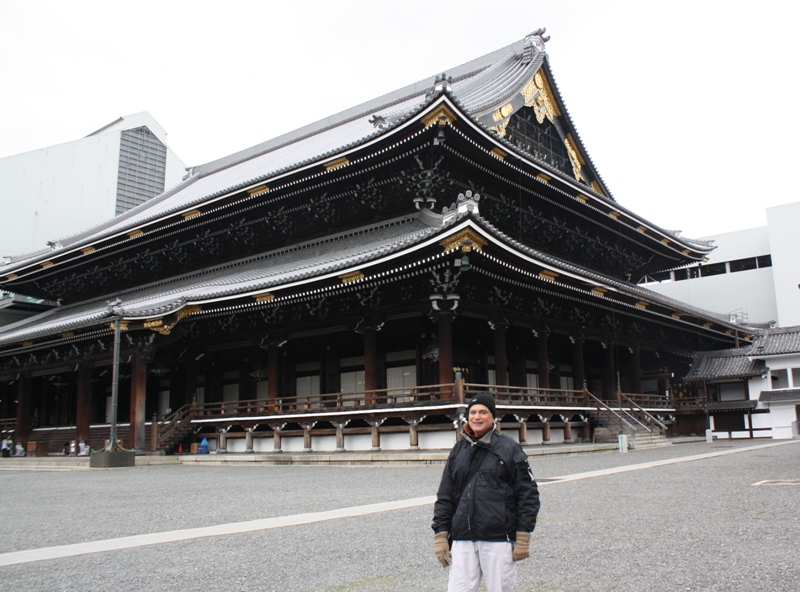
(345, 286)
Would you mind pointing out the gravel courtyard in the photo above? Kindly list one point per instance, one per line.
(697, 525)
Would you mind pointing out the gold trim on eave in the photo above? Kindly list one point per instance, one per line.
(67, 335)
(614, 214)
(87, 250)
(458, 240)
(264, 297)
(353, 276)
(598, 291)
(543, 178)
(123, 326)
(187, 310)
(13, 276)
(47, 264)
(708, 325)
(256, 191)
(135, 233)
(442, 115)
(548, 274)
(335, 164)
(642, 229)
(582, 198)
(27, 343)
(191, 214)
(642, 304)
(676, 315)
(499, 153)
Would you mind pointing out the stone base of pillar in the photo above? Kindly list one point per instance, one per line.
(308, 450)
(413, 447)
(249, 450)
(375, 449)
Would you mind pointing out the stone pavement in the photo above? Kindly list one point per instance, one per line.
(687, 517)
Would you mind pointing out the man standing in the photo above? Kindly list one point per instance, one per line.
(486, 506)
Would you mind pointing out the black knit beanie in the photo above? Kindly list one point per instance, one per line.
(483, 399)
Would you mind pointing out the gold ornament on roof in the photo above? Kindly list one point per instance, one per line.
(466, 240)
(442, 115)
(537, 94)
(574, 157)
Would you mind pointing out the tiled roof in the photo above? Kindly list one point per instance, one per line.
(781, 396)
(724, 364)
(731, 405)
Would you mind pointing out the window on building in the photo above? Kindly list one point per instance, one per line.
(712, 269)
(780, 378)
(764, 261)
(351, 382)
(401, 378)
(308, 386)
(744, 264)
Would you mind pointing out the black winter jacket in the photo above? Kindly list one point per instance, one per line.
(501, 498)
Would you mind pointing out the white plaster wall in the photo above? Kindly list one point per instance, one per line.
(58, 191)
(781, 417)
(784, 241)
(750, 291)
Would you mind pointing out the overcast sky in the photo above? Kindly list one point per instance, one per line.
(687, 108)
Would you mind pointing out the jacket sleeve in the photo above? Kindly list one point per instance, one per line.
(444, 509)
(527, 492)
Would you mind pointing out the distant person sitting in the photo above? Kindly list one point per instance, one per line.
(5, 447)
(85, 449)
(20, 451)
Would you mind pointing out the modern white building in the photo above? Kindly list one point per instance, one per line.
(61, 190)
(753, 275)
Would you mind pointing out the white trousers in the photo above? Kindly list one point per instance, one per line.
(471, 561)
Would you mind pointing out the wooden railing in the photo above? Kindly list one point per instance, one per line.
(175, 423)
(649, 401)
(646, 419)
(610, 416)
(8, 425)
(514, 395)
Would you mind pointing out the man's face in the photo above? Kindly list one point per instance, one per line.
(480, 419)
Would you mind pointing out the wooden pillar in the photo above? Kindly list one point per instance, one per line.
(370, 362)
(500, 358)
(248, 438)
(340, 425)
(223, 441)
(374, 424)
(567, 430)
(5, 394)
(247, 384)
(273, 373)
(413, 436)
(22, 429)
(276, 436)
(578, 372)
(138, 397)
(542, 360)
(610, 377)
(636, 363)
(523, 429)
(445, 331)
(546, 430)
(190, 383)
(307, 436)
(154, 433)
(84, 403)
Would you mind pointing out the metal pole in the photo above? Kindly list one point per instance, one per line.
(113, 443)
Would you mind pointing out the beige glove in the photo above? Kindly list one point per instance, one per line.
(522, 548)
(441, 547)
